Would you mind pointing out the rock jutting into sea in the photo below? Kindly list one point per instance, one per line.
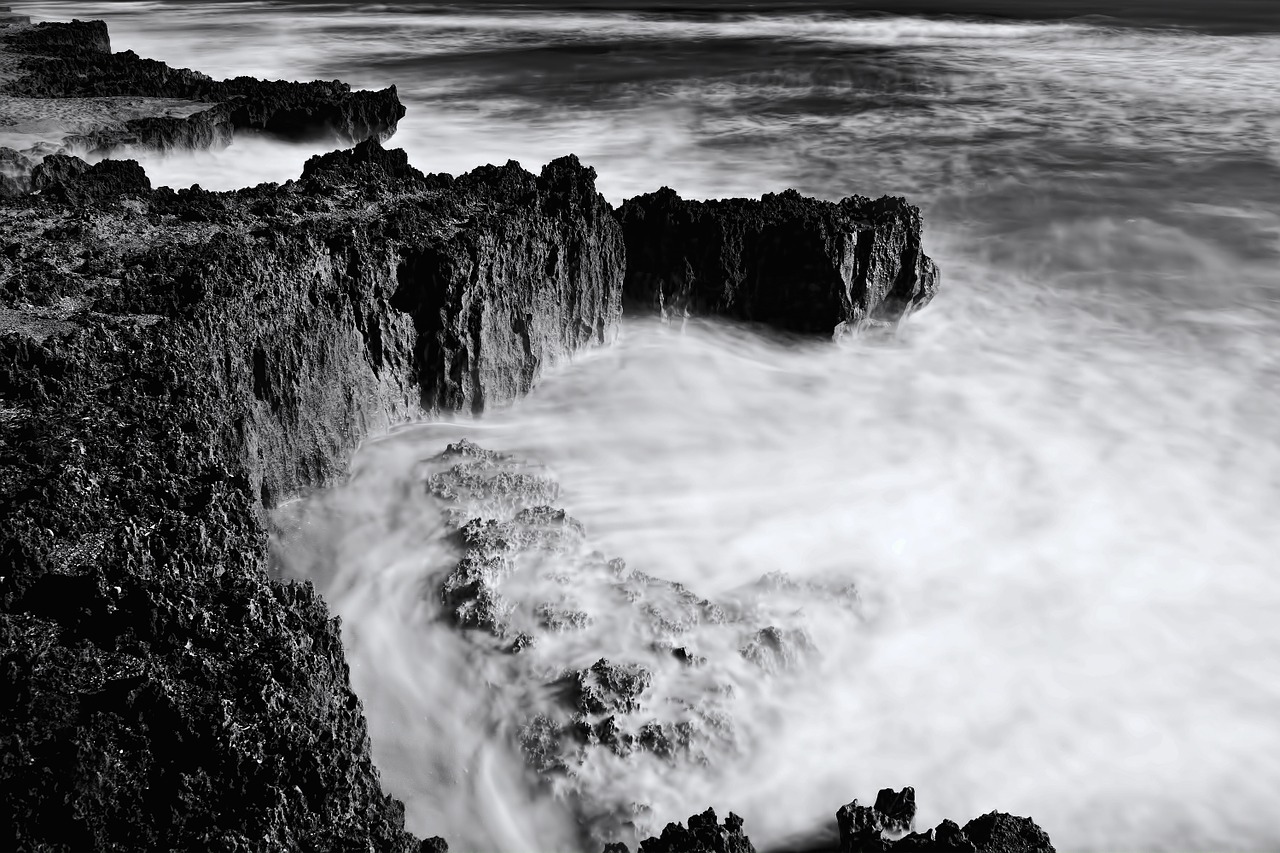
(172, 363)
(795, 263)
(169, 364)
(107, 102)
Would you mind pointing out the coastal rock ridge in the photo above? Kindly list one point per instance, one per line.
(111, 102)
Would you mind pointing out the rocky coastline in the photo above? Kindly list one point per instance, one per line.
(115, 102)
(173, 363)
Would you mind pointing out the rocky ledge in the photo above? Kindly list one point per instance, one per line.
(171, 362)
(796, 263)
(62, 91)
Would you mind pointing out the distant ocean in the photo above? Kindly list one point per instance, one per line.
(1057, 491)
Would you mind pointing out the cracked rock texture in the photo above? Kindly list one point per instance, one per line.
(795, 263)
(169, 364)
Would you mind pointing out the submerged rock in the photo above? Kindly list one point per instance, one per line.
(796, 263)
(608, 687)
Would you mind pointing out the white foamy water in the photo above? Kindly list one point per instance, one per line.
(1056, 492)
(1061, 529)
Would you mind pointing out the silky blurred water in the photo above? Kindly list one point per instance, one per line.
(1056, 490)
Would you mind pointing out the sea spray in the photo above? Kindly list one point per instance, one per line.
(1056, 521)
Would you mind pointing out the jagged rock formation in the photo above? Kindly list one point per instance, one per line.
(863, 826)
(169, 363)
(885, 827)
(881, 828)
(704, 835)
(796, 263)
(529, 588)
(179, 108)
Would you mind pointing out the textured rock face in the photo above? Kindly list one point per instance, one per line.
(882, 828)
(885, 828)
(74, 61)
(195, 356)
(704, 835)
(796, 263)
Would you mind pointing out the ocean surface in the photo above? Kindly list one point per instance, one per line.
(1056, 491)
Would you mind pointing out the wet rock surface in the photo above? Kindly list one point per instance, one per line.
(73, 63)
(795, 263)
(884, 827)
(617, 664)
(171, 363)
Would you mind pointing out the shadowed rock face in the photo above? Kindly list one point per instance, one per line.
(795, 263)
(204, 354)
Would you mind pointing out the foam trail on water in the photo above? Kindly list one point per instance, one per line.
(1057, 509)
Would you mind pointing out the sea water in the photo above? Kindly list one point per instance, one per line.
(1055, 493)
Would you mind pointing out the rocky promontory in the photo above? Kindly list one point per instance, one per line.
(173, 363)
(63, 91)
(795, 263)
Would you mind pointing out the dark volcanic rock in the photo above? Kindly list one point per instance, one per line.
(368, 161)
(704, 835)
(104, 182)
(209, 354)
(68, 60)
(999, 832)
(863, 829)
(861, 826)
(880, 829)
(74, 60)
(796, 263)
(58, 169)
(60, 37)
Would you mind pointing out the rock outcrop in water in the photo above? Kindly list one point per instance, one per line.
(795, 263)
(169, 364)
(884, 827)
(109, 101)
